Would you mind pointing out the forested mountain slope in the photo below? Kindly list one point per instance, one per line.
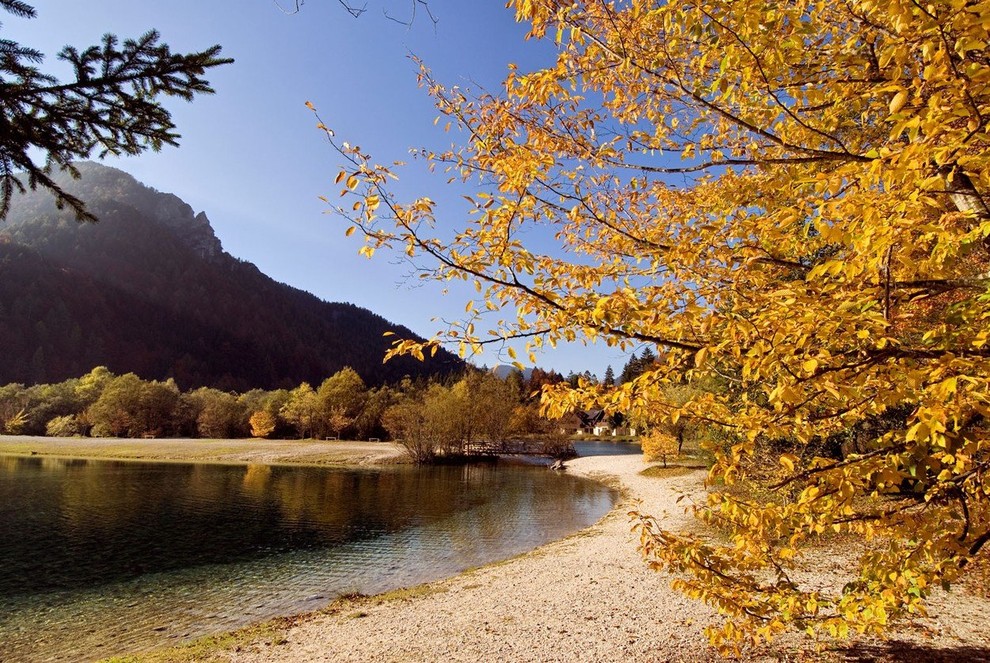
(149, 289)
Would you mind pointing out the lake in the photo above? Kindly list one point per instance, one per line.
(105, 557)
(607, 448)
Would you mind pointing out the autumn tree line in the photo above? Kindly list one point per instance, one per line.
(435, 418)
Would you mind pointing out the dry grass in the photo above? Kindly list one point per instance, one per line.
(406, 593)
(289, 452)
(215, 648)
(661, 472)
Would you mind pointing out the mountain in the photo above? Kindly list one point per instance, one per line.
(505, 370)
(149, 289)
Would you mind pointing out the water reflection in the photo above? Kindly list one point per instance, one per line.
(109, 554)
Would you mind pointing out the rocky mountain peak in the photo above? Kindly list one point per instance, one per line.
(129, 294)
(103, 182)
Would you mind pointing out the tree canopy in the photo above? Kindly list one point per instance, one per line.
(787, 200)
(113, 105)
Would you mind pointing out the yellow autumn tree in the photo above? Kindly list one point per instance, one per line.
(784, 198)
(659, 444)
(263, 423)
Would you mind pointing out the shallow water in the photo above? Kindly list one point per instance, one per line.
(105, 557)
(607, 448)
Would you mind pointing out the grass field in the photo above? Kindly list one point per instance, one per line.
(303, 452)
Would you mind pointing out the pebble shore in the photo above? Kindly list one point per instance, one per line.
(588, 598)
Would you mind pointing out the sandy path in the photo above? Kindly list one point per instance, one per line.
(586, 598)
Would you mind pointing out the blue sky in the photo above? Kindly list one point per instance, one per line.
(251, 157)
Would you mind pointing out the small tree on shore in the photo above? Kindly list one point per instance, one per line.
(64, 426)
(220, 414)
(14, 423)
(660, 444)
(338, 420)
(262, 424)
(406, 422)
(302, 410)
(340, 400)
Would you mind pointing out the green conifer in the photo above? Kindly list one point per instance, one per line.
(113, 105)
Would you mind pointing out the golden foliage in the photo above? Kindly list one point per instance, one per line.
(15, 423)
(262, 423)
(786, 198)
(660, 445)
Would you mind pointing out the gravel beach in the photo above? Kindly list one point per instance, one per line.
(586, 598)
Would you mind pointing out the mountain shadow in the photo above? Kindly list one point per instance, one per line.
(149, 289)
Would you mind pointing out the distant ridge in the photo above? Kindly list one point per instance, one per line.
(149, 289)
(505, 370)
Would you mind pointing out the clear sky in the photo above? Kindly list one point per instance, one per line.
(251, 157)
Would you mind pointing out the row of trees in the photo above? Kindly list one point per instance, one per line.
(433, 417)
(103, 404)
(636, 365)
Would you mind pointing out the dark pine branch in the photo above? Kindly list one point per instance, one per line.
(113, 105)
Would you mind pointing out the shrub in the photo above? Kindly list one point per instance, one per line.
(66, 426)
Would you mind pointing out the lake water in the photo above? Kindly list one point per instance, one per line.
(100, 557)
(607, 448)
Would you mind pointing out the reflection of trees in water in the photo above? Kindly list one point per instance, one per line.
(530, 504)
(88, 522)
(378, 501)
(256, 477)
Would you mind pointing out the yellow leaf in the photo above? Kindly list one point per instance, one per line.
(897, 103)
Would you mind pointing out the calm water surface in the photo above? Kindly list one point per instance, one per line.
(102, 557)
(607, 448)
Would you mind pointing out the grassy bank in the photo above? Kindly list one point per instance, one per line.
(281, 452)
(271, 633)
